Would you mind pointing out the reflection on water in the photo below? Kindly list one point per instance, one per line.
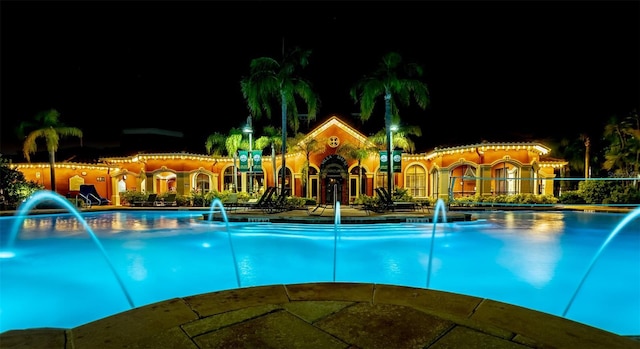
(66, 225)
(534, 255)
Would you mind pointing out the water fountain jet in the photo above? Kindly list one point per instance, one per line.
(635, 213)
(439, 208)
(218, 203)
(44, 195)
(336, 223)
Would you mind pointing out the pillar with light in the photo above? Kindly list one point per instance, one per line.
(249, 130)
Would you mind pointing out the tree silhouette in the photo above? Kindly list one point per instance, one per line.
(47, 125)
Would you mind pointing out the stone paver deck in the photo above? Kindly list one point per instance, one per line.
(324, 315)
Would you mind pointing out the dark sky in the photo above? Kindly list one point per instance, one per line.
(496, 71)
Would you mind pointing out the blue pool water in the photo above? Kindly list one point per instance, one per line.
(59, 278)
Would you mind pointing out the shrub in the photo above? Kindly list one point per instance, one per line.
(517, 199)
(14, 188)
(623, 195)
(131, 196)
(296, 202)
(595, 191)
(571, 197)
(401, 194)
(203, 200)
(310, 202)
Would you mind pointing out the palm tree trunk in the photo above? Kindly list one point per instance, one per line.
(587, 144)
(360, 178)
(387, 123)
(284, 143)
(52, 169)
(235, 174)
(273, 161)
(306, 183)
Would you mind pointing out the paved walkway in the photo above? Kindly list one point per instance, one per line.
(325, 315)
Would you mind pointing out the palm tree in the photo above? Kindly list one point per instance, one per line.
(623, 153)
(573, 151)
(308, 147)
(217, 143)
(48, 126)
(357, 152)
(271, 138)
(396, 83)
(400, 138)
(271, 80)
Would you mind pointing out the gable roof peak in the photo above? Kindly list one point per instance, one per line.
(334, 120)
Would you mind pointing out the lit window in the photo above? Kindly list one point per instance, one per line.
(416, 181)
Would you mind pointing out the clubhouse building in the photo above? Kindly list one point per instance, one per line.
(465, 170)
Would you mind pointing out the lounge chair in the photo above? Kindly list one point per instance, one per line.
(395, 205)
(261, 203)
(90, 196)
(384, 203)
(230, 203)
(150, 201)
(280, 204)
(318, 210)
(169, 200)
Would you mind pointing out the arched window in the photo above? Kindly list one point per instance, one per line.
(416, 181)
(122, 184)
(313, 182)
(354, 178)
(507, 181)
(203, 183)
(434, 179)
(228, 182)
(463, 180)
(381, 179)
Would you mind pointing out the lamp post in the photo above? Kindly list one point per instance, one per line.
(390, 160)
(248, 129)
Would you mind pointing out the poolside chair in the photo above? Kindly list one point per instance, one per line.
(280, 204)
(169, 200)
(318, 210)
(395, 205)
(90, 195)
(385, 203)
(230, 203)
(149, 201)
(262, 201)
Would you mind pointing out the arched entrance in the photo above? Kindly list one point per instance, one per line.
(333, 174)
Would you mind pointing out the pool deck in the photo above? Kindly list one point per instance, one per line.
(325, 315)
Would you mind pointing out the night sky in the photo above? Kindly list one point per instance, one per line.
(533, 70)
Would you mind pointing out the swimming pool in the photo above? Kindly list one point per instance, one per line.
(531, 259)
